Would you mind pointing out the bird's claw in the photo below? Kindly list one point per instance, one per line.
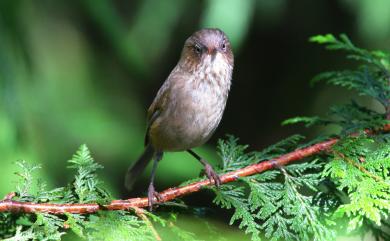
(212, 175)
(153, 197)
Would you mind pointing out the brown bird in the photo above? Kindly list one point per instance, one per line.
(189, 105)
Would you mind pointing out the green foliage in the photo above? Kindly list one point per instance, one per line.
(86, 188)
(308, 121)
(86, 185)
(350, 118)
(362, 171)
(371, 79)
(275, 203)
(117, 225)
(346, 189)
(349, 185)
(23, 188)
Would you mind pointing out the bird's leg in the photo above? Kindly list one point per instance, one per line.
(210, 173)
(153, 196)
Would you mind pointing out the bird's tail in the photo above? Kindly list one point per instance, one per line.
(136, 169)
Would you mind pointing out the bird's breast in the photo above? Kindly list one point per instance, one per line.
(194, 110)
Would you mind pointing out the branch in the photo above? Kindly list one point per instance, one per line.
(140, 213)
(8, 205)
(360, 167)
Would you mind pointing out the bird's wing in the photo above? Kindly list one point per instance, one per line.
(153, 117)
(157, 107)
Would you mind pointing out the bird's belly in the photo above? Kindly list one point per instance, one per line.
(190, 124)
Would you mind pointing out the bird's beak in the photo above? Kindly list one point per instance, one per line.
(212, 52)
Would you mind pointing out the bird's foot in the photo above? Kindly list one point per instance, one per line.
(153, 196)
(212, 175)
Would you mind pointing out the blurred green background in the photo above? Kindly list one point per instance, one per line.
(74, 72)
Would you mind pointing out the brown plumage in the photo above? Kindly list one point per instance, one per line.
(189, 105)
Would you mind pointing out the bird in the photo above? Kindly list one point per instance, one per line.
(188, 106)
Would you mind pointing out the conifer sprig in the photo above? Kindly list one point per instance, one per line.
(339, 184)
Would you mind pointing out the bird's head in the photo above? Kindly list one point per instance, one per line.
(207, 47)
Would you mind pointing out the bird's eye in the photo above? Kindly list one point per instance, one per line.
(198, 49)
(223, 46)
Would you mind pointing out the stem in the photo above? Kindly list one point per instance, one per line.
(140, 213)
(8, 205)
(360, 167)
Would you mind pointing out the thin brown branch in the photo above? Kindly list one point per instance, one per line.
(9, 196)
(141, 213)
(8, 205)
(360, 167)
